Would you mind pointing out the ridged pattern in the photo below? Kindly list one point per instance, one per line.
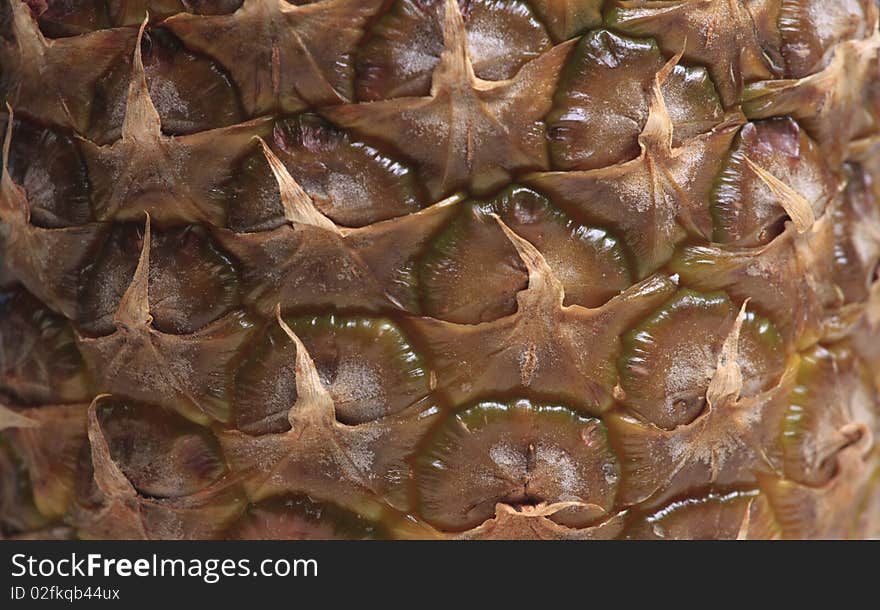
(429, 269)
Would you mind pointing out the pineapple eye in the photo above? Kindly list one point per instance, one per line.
(833, 408)
(48, 165)
(351, 183)
(602, 103)
(746, 212)
(367, 365)
(720, 516)
(177, 81)
(669, 359)
(39, 362)
(518, 453)
(161, 454)
(191, 282)
(472, 273)
(501, 38)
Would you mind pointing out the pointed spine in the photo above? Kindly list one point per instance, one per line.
(108, 477)
(298, 206)
(11, 419)
(795, 205)
(141, 117)
(134, 307)
(541, 278)
(13, 202)
(455, 64)
(727, 381)
(313, 402)
(657, 131)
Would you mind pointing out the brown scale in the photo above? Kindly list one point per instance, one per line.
(48, 440)
(734, 516)
(857, 237)
(498, 124)
(826, 511)
(161, 454)
(719, 34)
(52, 80)
(748, 207)
(669, 359)
(833, 105)
(656, 200)
(604, 99)
(815, 278)
(45, 260)
(351, 183)
(302, 66)
(500, 40)
(192, 283)
(472, 273)
(732, 439)
(538, 348)
(810, 29)
(312, 262)
(39, 362)
(186, 372)
(367, 365)
(359, 467)
(49, 168)
(790, 281)
(832, 407)
(519, 453)
(109, 506)
(175, 179)
(190, 93)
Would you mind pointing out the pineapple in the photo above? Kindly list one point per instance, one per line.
(466, 269)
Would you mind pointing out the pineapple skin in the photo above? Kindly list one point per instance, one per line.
(440, 269)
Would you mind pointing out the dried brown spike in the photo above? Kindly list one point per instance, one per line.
(298, 206)
(134, 307)
(108, 477)
(143, 363)
(313, 400)
(313, 262)
(723, 445)
(174, 179)
(717, 33)
(727, 382)
(832, 104)
(13, 419)
(795, 205)
(113, 509)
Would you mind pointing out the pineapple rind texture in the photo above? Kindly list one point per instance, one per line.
(467, 269)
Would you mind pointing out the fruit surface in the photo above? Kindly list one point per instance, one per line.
(560, 269)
